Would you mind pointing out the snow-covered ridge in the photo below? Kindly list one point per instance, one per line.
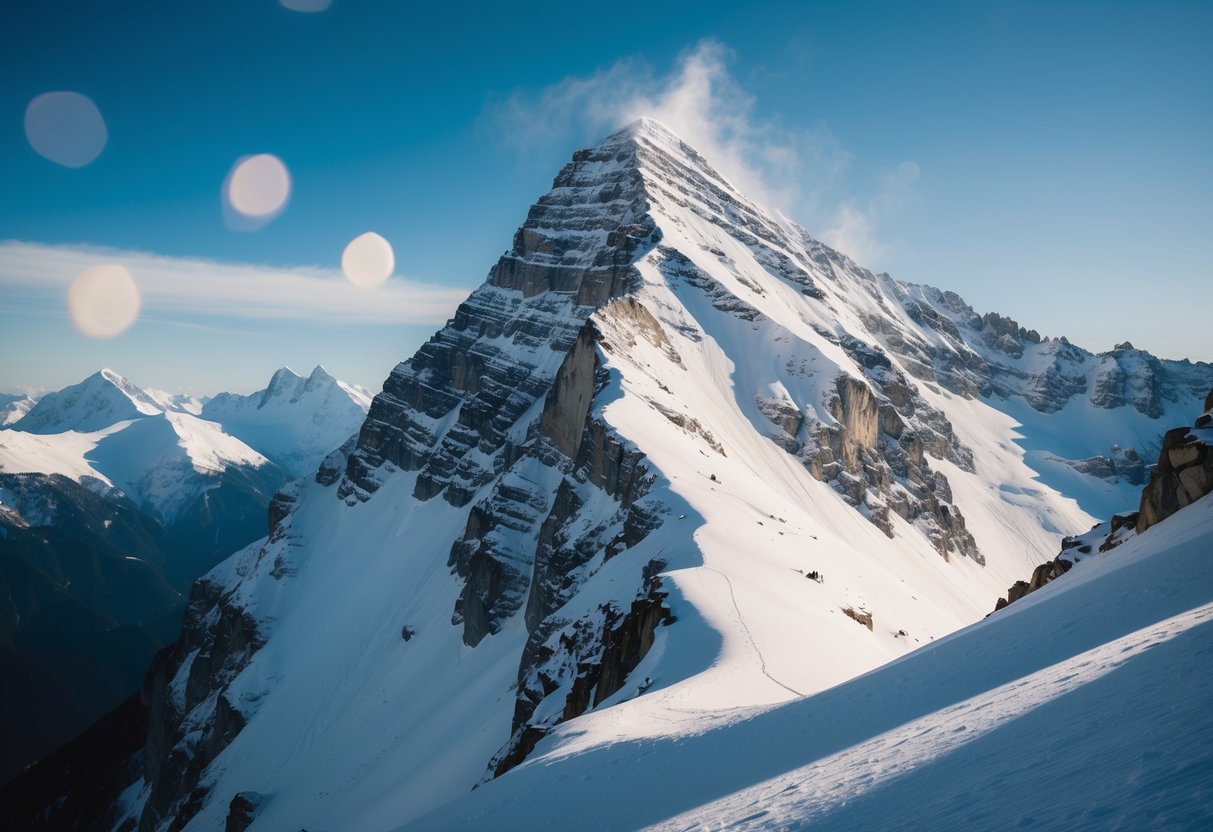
(296, 420)
(98, 402)
(674, 461)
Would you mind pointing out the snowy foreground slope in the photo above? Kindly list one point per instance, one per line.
(1084, 706)
(674, 463)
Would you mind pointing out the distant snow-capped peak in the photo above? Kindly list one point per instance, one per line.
(14, 406)
(98, 402)
(296, 420)
(164, 449)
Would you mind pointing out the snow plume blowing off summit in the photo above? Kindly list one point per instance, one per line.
(673, 462)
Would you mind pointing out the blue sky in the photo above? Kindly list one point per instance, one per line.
(1046, 161)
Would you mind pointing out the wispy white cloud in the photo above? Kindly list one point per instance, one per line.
(700, 100)
(853, 226)
(800, 172)
(187, 289)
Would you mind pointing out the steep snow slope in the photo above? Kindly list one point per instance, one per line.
(1084, 706)
(295, 421)
(50, 454)
(612, 474)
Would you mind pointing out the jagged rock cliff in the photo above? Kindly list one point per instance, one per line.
(1184, 472)
(601, 486)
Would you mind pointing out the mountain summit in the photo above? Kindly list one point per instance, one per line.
(296, 420)
(674, 458)
(98, 402)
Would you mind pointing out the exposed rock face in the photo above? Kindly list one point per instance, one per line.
(875, 451)
(470, 387)
(580, 665)
(993, 355)
(242, 811)
(1041, 575)
(1121, 463)
(859, 616)
(191, 719)
(1184, 472)
(506, 385)
(1183, 475)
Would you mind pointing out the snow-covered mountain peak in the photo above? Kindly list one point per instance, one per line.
(296, 420)
(665, 406)
(288, 386)
(643, 124)
(320, 374)
(14, 406)
(285, 384)
(101, 400)
(163, 450)
(670, 168)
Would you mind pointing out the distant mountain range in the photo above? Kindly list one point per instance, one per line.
(113, 499)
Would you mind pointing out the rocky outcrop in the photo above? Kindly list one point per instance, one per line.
(1184, 473)
(874, 450)
(1121, 463)
(242, 811)
(1041, 575)
(984, 355)
(515, 549)
(565, 537)
(456, 411)
(875, 453)
(859, 616)
(580, 665)
(190, 716)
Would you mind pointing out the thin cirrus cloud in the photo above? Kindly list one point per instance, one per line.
(190, 289)
(800, 172)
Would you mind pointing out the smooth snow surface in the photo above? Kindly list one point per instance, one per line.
(1084, 706)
